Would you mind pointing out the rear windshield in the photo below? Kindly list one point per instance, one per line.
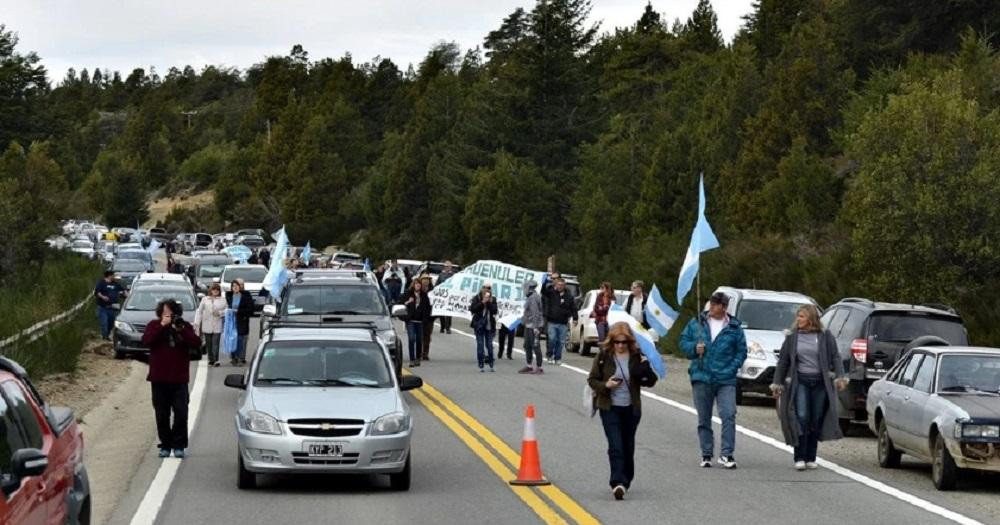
(142, 256)
(250, 275)
(333, 299)
(148, 299)
(905, 327)
(203, 238)
(211, 270)
(767, 315)
(323, 363)
(128, 265)
(347, 257)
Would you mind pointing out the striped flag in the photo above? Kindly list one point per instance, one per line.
(659, 315)
(643, 337)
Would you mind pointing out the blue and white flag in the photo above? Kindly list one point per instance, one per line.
(306, 252)
(702, 240)
(276, 274)
(659, 315)
(617, 314)
(453, 297)
(238, 252)
(138, 233)
(368, 265)
(153, 246)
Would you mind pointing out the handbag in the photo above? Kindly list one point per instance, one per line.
(589, 400)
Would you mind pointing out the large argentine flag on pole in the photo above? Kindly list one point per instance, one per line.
(702, 240)
(277, 274)
(617, 314)
(659, 315)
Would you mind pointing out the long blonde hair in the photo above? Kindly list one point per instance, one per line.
(812, 316)
(620, 328)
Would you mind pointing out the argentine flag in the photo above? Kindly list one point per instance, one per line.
(659, 315)
(277, 274)
(306, 252)
(153, 246)
(702, 240)
(643, 337)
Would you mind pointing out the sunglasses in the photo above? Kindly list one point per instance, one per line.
(620, 341)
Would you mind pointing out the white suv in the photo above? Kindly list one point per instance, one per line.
(767, 317)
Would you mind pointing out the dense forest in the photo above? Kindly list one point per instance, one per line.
(849, 147)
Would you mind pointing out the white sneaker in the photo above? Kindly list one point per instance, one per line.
(812, 465)
(558, 362)
(727, 461)
(800, 465)
(706, 462)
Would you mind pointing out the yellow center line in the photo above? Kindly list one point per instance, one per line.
(543, 510)
(570, 507)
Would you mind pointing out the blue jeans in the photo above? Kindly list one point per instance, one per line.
(810, 407)
(241, 348)
(415, 338)
(484, 347)
(557, 340)
(724, 396)
(106, 318)
(532, 346)
(620, 424)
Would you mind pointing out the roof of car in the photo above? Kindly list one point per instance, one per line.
(939, 309)
(162, 277)
(944, 349)
(230, 266)
(327, 333)
(766, 295)
(168, 286)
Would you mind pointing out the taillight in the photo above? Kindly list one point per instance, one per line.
(859, 349)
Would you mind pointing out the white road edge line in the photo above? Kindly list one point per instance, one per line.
(905, 497)
(149, 508)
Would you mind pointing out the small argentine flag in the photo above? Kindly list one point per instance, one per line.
(659, 315)
(617, 314)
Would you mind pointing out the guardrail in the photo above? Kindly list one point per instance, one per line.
(37, 330)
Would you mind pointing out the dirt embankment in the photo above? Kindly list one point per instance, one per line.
(159, 208)
(97, 374)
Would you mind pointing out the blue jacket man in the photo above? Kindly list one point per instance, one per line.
(716, 345)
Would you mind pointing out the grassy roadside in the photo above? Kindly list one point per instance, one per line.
(59, 284)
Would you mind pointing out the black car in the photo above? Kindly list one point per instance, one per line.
(251, 241)
(335, 296)
(126, 270)
(204, 269)
(140, 308)
(872, 336)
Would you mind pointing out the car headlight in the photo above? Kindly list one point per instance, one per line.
(980, 431)
(122, 326)
(262, 423)
(389, 336)
(756, 351)
(393, 423)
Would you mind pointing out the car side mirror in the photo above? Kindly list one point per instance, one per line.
(398, 311)
(216, 280)
(28, 462)
(270, 310)
(410, 382)
(235, 381)
(201, 296)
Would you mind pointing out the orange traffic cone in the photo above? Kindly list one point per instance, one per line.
(530, 472)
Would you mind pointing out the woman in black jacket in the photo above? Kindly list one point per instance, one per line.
(243, 304)
(484, 322)
(418, 316)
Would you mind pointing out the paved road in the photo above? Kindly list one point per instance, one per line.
(467, 433)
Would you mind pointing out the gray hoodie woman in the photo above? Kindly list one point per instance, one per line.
(533, 321)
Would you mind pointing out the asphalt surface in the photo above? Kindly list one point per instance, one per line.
(457, 483)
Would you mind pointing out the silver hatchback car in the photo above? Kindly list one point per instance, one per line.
(322, 398)
(940, 404)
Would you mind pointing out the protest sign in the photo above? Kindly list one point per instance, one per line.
(452, 298)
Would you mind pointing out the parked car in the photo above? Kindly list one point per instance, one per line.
(84, 248)
(253, 277)
(140, 255)
(149, 278)
(336, 295)
(160, 235)
(323, 399)
(140, 308)
(583, 331)
(435, 268)
(106, 250)
(126, 270)
(767, 316)
(204, 269)
(42, 474)
(345, 257)
(251, 241)
(195, 241)
(940, 404)
(250, 231)
(872, 336)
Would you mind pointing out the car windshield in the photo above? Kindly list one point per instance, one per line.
(905, 327)
(341, 257)
(969, 373)
(767, 315)
(135, 254)
(333, 299)
(128, 265)
(210, 270)
(82, 244)
(439, 267)
(250, 275)
(146, 300)
(323, 363)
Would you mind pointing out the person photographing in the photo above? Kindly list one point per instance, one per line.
(171, 341)
(484, 323)
(716, 345)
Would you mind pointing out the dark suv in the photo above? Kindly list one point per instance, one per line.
(872, 336)
(336, 296)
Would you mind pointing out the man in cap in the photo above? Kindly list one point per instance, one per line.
(716, 345)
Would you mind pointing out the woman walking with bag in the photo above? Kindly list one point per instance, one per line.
(618, 371)
(808, 372)
(241, 303)
(418, 316)
(208, 321)
(484, 322)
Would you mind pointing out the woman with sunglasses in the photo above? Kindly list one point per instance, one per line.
(618, 371)
(484, 323)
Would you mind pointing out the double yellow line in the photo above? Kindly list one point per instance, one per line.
(502, 460)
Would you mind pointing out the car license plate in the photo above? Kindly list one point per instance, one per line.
(325, 449)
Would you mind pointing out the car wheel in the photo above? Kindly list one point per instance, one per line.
(944, 473)
(888, 456)
(245, 479)
(845, 426)
(739, 395)
(585, 349)
(83, 518)
(401, 480)
(119, 354)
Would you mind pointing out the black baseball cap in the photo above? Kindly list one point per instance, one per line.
(719, 298)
